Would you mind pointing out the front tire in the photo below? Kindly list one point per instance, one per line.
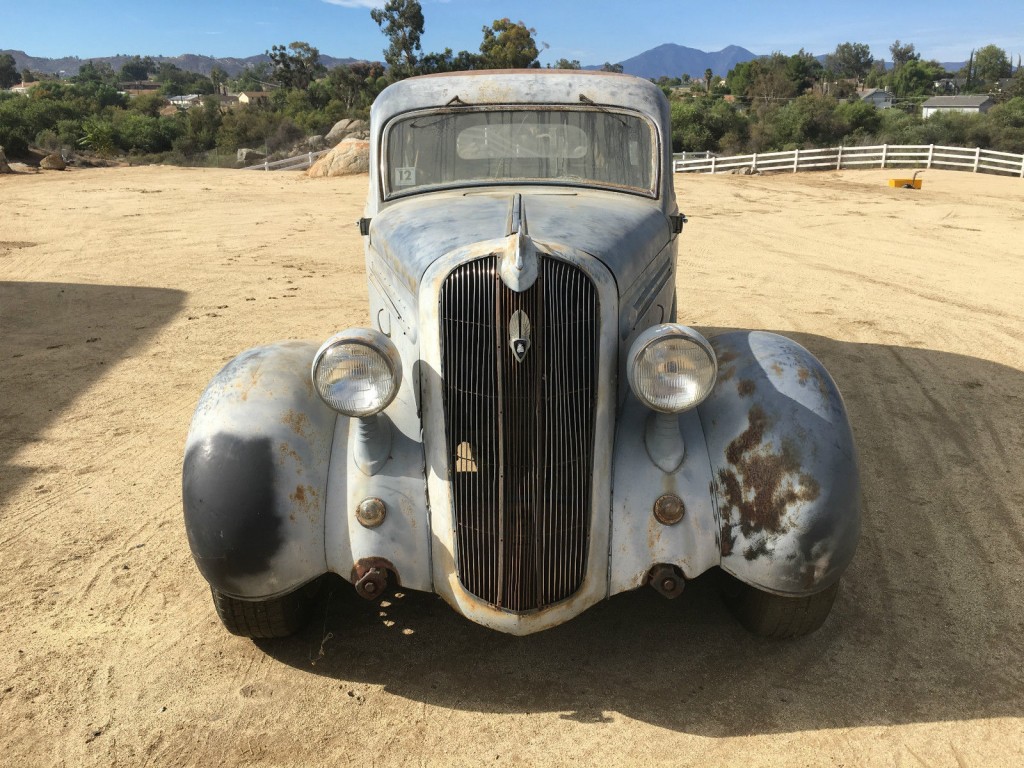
(277, 617)
(768, 615)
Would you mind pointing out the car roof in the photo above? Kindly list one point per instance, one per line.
(520, 86)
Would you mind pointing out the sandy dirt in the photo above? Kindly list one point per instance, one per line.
(122, 291)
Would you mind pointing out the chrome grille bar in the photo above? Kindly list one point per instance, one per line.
(520, 434)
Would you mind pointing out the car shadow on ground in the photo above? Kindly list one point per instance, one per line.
(928, 625)
(55, 344)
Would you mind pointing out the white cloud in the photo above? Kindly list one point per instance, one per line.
(356, 3)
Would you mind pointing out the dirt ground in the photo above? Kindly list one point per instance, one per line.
(122, 291)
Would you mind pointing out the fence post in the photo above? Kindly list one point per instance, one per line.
(1022, 166)
(977, 158)
(713, 159)
(839, 159)
(753, 164)
(266, 165)
(931, 154)
(885, 152)
(796, 160)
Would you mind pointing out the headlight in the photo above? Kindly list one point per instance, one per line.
(357, 372)
(671, 368)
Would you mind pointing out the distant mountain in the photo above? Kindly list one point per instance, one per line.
(671, 60)
(189, 62)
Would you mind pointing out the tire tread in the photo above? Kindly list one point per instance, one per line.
(768, 615)
(277, 617)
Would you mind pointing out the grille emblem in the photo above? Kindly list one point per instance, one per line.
(519, 334)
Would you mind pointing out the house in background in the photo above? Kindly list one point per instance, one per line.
(253, 97)
(879, 98)
(970, 104)
(186, 101)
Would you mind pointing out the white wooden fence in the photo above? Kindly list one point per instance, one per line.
(297, 163)
(837, 158)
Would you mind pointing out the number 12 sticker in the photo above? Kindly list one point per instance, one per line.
(405, 177)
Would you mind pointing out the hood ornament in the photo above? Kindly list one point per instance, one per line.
(519, 262)
(519, 334)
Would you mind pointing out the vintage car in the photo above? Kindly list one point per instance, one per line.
(525, 430)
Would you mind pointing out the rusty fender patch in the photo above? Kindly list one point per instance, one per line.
(725, 370)
(759, 486)
(307, 500)
(297, 420)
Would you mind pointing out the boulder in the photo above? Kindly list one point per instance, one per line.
(345, 128)
(350, 157)
(250, 156)
(53, 162)
(316, 143)
(4, 167)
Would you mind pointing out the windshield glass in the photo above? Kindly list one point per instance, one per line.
(603, 148)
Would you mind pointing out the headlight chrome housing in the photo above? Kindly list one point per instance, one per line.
(671, 368)
(357, 372)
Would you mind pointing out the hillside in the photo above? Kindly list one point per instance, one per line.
(190, 62)
(673, 60)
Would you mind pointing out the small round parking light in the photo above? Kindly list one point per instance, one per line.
(671, 368)
(357, 372)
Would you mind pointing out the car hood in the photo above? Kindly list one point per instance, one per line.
(625, 233)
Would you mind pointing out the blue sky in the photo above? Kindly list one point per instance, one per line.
(593, 31)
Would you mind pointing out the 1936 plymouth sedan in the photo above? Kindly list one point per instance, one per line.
(525, 430)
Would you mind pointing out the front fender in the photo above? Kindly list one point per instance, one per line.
(784, 465)
(254, 479)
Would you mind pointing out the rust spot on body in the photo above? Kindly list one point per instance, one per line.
(287, 450)
(307, 500)
(297, 420)
(725, 370)
(761, 484)
(745, 387)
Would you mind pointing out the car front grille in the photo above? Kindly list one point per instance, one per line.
(520, 433)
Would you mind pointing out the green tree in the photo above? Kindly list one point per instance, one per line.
(991, 64)
(98, 135)
(915, 78)
(509, 45)
(28, 76)
(446, 61)
(1007, 120)
(254, 77)
(850, 60)
(402, 23)
(902, 53)
(567, 64)
(609, 67)
(803, 70)
(218, 76)
(136, 68)
(296, 66)
(355, 85)
(8, 71)
(771, 83)
(98, 73)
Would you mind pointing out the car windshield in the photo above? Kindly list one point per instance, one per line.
(595, 147)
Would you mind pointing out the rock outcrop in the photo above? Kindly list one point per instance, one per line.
(4, 167)
(250, 156)
(346, 128)
(53, 162)
(350, 157)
